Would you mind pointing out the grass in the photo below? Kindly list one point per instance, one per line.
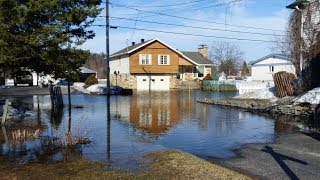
(165, 165)
(175, 164)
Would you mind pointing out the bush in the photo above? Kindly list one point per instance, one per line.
(91, 80)
(207, 77)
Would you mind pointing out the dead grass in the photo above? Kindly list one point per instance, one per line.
(175, 164)
(19, 136)
(62, 170)
(165, 165)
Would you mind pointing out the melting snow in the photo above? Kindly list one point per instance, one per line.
(267, 93)
(312, 97)
(96, 88)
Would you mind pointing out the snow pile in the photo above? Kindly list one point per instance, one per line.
(78, 84)
(312, 97)
(80, 87)
(267, 93)
(96, 88)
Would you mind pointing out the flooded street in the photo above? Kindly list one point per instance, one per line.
(140, 124)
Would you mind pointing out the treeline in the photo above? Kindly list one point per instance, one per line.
(97, 62)
(44, 35)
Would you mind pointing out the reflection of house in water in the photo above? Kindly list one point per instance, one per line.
(156, 112)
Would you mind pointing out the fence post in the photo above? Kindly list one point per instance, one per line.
(5, 111)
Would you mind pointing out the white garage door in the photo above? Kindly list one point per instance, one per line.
(155, 83)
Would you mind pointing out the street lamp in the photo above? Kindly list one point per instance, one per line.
(298, 4)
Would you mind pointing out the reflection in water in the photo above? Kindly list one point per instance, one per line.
(108, 128)
(56, 117)
(18, 141)
(154, 113)
(123, 128)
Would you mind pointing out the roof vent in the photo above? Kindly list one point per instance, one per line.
(133, 43)
(142, 40)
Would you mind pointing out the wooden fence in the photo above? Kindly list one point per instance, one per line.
(283, 84)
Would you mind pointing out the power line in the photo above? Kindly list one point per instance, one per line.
(191, 19)
(203, 6)
(171, 5)
(176, 9)
(190, 34)
(195, 27)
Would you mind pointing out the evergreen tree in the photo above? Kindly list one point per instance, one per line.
(43, 35)
(245, 70)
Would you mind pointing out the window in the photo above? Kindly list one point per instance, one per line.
(271, 68)
(145, 59)
(164, 60)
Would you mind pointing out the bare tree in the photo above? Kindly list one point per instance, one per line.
(226, 56)
(283, 44)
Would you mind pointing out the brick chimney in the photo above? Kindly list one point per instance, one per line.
(203, 50)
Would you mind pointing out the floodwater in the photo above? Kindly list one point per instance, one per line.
(144, 122)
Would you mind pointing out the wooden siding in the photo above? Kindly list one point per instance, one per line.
(155, 49)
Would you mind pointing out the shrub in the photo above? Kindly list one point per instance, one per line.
(207, 77)
(91, 80)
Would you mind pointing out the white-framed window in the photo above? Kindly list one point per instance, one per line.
(164, 59)
(271, 68)
(145, 59)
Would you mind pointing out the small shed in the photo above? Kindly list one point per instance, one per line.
(86, 72)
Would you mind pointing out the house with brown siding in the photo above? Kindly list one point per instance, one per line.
(151, 65)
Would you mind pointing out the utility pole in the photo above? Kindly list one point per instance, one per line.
(108, 82)
(298, 5)
(107, 48)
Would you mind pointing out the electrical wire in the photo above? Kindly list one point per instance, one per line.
(170, 5)
(195, 27)
(191, 19)
(200, 6)
(190, 34)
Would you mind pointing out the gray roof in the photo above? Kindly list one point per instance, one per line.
(273, 55)
(129, 48)
(85, 70)
(197, 57)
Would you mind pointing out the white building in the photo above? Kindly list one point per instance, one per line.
(264, 68)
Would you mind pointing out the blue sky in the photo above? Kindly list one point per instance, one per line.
(259, 14)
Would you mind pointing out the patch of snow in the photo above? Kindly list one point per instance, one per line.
(80, 87)
(267, 93)
(78, 84)
(312, 97)
(30, 113)
(96, 88)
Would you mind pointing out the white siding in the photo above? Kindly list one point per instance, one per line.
(262, 73)
(121, 65)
